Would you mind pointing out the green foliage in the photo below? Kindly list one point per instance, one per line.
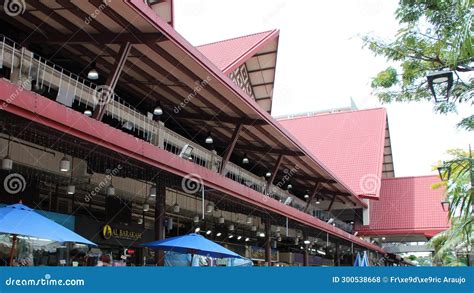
(460, 195)
(434, 35)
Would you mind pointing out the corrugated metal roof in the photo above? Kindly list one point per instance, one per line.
(350, 143)
(407, 205)
(229, 54)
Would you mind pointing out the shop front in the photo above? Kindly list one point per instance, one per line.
(118, 244)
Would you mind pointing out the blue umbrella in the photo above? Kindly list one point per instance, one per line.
(364, 260)
(18, 219)
(193, 244)
(357, 260)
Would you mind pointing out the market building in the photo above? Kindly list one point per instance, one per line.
(112, 119)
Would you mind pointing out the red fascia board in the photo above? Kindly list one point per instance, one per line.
(423, 231)
(142, 8)
(252, 51)
(37, 108)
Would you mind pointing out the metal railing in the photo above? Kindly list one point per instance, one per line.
(27, 68)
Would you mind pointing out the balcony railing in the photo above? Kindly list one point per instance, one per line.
(32, 71)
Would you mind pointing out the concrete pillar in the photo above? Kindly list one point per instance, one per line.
(268, 242)
(160, 213)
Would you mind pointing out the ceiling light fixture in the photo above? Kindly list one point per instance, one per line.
(209, 139)
(158, 111)
(245, 160)
(64, 164)
(93, 74)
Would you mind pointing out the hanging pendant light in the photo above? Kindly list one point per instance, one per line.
(221, 220)
(110, 190)
(169, 224)
(140, 221)
(176, 208)
(93, 74)
(318, 201)
(153, 191)
(71, 189)
(196, 219)
(146, 207)
(231, 227)
(88, 113)
(64, 164)
(209, 139)
(289, 186)
(245, 160)
(210, 208)
(197, 230)
(306, 194)
(7, 162)
(268, 174)
(253, 228)
(158, 111)
(249, 220)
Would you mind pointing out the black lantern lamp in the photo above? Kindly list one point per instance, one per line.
(443, 79)
(444, 172)
(445, 205)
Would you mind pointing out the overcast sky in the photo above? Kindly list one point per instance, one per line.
(321, 65)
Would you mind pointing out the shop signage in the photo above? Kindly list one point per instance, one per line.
(109, 232)
(258, 253)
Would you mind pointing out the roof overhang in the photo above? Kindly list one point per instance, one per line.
(174, 67)
(44, 111)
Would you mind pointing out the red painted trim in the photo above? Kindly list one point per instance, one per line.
(39, 109)
(415, 231)
(141, 8)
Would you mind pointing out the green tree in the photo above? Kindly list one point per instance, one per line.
(434, 35)
(458, 240)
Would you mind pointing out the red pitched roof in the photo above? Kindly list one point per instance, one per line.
(407, 205)
(350, 143)
(230, 54)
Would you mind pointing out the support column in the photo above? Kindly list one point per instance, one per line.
(230, 148)
(160, 213)
(338, 256)
(306, 252)
(274, 173)
(317, 187)
(268, 242)
(112, 79)
(332, 202)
